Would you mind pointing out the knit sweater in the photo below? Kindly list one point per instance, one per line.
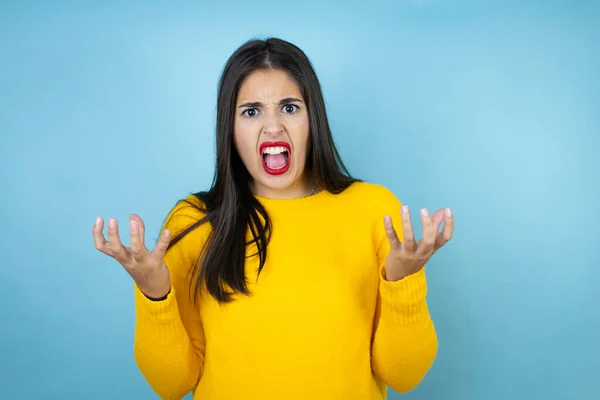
(322, 321)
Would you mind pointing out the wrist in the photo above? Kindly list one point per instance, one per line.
(156, 286)
(394, 276)
(158, 298)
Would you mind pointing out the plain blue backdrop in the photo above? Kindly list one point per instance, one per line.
(491, 108)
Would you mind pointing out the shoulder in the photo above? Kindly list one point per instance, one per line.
(372, 202)
(373, 195)
(184, 213)
(186, 222)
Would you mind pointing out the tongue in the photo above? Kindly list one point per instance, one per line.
(275, 161)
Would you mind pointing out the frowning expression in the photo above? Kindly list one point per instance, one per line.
(271, 133)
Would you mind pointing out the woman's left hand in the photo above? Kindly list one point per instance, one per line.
(408, 257)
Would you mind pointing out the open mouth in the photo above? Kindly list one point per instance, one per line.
(275, 157)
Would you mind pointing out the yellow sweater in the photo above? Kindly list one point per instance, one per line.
(322, 322)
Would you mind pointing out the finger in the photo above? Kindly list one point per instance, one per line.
(137, 251)
(142, 228)
(407, 230)
(391, 233)
(447, 231)
(114, 241)
(428, 241)
(162, 245)
(437, 219)
(99, 241)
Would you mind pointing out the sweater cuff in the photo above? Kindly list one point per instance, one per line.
(404, 301)
(157, 321)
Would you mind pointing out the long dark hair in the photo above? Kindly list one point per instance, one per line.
(229, 206)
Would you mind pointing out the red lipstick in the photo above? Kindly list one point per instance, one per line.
(284, 168)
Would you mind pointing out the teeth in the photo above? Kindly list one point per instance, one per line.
(274, 150)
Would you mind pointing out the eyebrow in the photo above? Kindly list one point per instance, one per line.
(258, 104)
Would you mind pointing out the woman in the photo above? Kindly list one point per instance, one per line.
(287, 279)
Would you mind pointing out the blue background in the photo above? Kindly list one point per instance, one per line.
(491, 108)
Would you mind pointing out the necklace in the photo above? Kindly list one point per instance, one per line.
(313, 191)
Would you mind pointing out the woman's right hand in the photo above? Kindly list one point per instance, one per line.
(147, 268)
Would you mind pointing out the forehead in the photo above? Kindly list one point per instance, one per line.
(268, 84)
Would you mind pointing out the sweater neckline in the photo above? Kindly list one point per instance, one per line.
(298, 204)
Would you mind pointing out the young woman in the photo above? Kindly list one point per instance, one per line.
(288, 279)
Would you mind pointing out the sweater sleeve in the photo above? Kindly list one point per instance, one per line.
(169, 339)
(405, 342)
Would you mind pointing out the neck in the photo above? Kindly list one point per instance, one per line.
(302, 189)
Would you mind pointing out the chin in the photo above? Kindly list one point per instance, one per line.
(276, 182)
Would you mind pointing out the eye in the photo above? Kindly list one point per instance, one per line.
(290, 108)
(250, 112)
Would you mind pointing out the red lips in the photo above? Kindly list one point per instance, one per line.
(281, 170)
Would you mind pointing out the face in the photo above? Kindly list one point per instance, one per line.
(271, 134)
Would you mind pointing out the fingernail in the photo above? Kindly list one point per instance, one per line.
(405, 209)
(112, 223)
(133, 225)
(97, 220)
(424, 212)
(387, 219)
(448, 212)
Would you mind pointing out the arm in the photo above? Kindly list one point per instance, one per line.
(405, 342)
(169, 339)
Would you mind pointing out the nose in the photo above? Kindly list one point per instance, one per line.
(273, 126)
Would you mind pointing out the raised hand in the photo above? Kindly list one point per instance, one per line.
(407, 257)
(147, 268)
